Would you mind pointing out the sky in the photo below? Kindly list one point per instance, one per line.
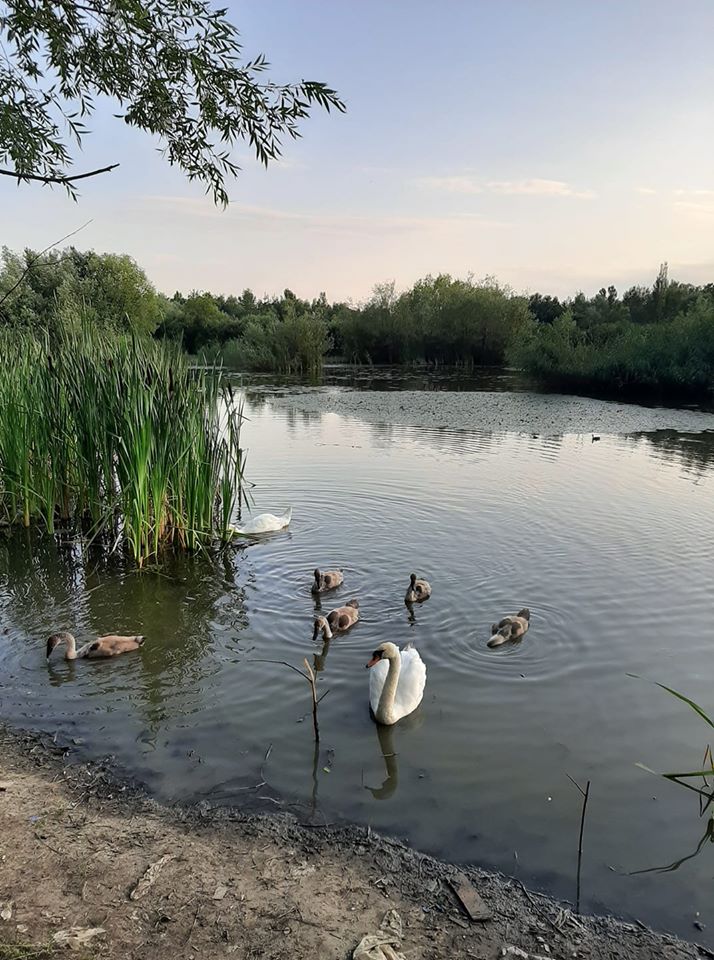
(556, 145)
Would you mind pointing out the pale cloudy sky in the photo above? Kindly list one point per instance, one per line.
(556, 144)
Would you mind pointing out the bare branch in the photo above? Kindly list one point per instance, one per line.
(33, 261)
(56, 179)
(576, 784)
(585, 794)
(309, 675)
(283, 663)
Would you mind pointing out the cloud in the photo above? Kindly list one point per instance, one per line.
(701, 210)
(694, 193)
(466, 184)
(457, 184)
(324, 222)
(538, 187)
(645, 191)
(286, 164)
(697, 204)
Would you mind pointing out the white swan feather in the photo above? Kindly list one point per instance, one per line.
(264, 523)
(407, 686)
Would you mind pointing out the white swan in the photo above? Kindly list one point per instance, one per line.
(397, 681)
(264, 523)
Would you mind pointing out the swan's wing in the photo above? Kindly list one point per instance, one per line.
(265, 523)
(254, 525)
(412, 681)
(377, 679)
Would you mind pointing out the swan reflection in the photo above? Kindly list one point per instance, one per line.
(385, 735)
(320, 658)
(61, 671)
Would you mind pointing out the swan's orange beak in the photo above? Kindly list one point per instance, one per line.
(373, 661)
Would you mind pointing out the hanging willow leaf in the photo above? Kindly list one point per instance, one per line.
(175, 69)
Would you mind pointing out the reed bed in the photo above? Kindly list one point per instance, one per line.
(117, 436)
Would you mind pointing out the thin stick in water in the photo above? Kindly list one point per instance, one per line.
(585, 794)
(309, 676)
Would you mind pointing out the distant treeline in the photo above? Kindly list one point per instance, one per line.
(658, 338)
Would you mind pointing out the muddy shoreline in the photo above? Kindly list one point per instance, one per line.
(77, 838)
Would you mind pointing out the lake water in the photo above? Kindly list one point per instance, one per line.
(611, 546)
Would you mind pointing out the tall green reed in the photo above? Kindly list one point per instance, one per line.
(119, 436)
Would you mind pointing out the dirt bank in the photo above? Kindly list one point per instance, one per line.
(76, 845)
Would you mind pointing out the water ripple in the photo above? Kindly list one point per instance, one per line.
(609, 544)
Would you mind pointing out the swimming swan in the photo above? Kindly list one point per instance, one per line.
(264, 523)
(337, 621)
(109, 646)
(397, 681)
(327, 580)
(418, 590)
(510, 628)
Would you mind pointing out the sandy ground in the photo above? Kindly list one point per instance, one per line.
(542, 414)
(76, 844)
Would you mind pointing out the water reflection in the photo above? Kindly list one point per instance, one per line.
(592, 537)
(61, 671)
(177, 607)
(693, 452)
(708, 836)
(320, 658)
(385, 736)
(462, 443)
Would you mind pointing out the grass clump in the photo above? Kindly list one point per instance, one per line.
(117, 435)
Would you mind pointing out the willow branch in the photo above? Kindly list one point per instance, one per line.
(60, 178)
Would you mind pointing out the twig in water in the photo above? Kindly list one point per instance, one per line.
(315, 701)
(309, 675)
(585, 794)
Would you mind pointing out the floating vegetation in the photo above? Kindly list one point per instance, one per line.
(118, 437)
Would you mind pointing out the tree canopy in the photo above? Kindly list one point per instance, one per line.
(174, 67)
(655, 340)
(107, 289)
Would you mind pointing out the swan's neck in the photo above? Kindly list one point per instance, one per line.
(326, 632)
(71, 651)
(389, 690)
